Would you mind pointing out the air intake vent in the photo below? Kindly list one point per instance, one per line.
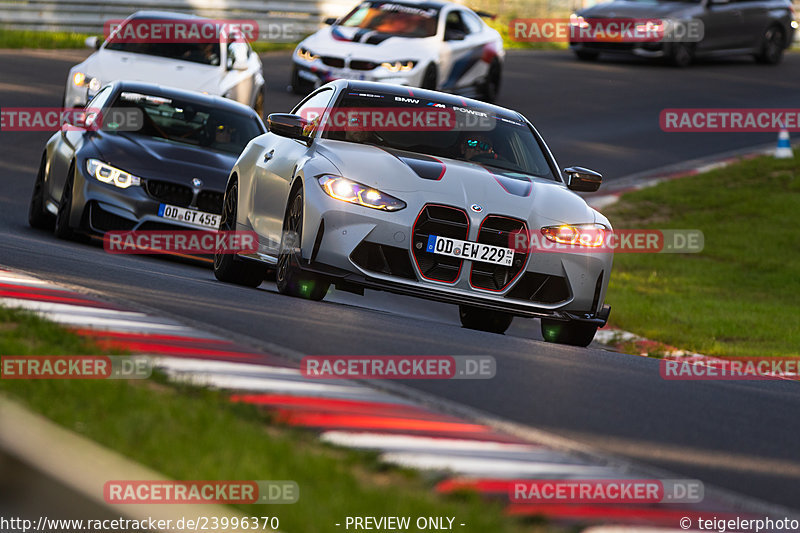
(497, 231)
(541, 288)
(169, 193)
(441, 221)
(383, 259)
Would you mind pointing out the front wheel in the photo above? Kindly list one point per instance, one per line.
(484, 319)
(429, 78)
(289, 277)
(681, 55)
(228, 267)
(61, 228)
(491, 86)
(258, 106)
(38, 215)
(571, 333)
(771, 46)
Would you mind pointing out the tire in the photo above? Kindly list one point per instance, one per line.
(296, 83)
(38, 216)
(680, 55)
(61, 227)
(571, 333)
(491, 87)
(484, 319)
(771, 46)
(228, 267)
(429, 80)
(585, 55)
(289, 277)
(258, 106)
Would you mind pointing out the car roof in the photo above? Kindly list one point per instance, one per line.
(436, 96)
(191, 96)
(159, 15)
(426, 3)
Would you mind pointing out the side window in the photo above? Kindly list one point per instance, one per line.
(454, 27)
(312, 109)
(472, 21)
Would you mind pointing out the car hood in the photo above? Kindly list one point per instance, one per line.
(152, 158)
(641, 9)
(110, 65)
(341, 42)
(456, 182)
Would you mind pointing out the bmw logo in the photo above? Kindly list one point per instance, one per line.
(476, 207)
(197, 183)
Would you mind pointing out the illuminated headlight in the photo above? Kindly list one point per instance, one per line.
(577, 20)
(306, 55)
(108, 174)
(795, 25)
(591, 235)
(398, 66)
(79, 79)
(94, 84)
(355, 193)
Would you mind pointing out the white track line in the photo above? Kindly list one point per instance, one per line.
(496, 468)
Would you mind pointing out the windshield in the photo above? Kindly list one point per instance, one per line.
(203, 53)
(504, 143)
(189, 123)
(397, 19)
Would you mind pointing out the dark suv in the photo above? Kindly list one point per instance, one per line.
(761, 28)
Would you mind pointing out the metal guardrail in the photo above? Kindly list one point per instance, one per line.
(88, 16)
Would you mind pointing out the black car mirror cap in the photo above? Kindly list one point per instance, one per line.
(330, 21)
(582, 179)
(287, 125)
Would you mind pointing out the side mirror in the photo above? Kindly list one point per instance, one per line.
(330, 21)
(582, 179)
(286, 125)
(454, 35)
(238, 54)
(93, 42)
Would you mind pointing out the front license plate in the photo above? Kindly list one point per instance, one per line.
(473, 251)
(189, 216)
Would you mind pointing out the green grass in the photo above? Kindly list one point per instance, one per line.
(739, 297)
(189, 433)
(41, 39)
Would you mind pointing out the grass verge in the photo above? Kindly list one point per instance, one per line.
(190, 433)
(739, 296)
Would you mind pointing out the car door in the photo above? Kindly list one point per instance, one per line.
(722, 25)
(754, 18)
(462, 50)
(275, 167)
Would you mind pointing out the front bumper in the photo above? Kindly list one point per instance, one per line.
(100, 207)
(312, 75)
(647, 50)
(356, 246)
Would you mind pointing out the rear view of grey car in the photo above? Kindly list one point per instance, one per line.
(761, 28)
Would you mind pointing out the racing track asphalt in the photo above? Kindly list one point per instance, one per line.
(741, 436)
